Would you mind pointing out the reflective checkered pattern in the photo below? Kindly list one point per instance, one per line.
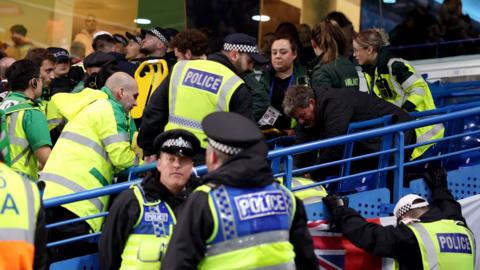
(229, 150)
(229, 229)
(240, 48)
(184, 122)
(159, 35)
(158, 227)
(138, 39)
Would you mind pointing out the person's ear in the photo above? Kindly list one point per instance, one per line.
(34, 83)
(314, 44)
(311, 102)
(370, 50)
(188, 54)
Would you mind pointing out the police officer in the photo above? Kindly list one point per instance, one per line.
(428, 236)
(241, 218)
(396, 81)
(22, 222)
(140, 220)
(196, 88)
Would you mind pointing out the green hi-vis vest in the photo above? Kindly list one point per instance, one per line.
(445, 244)
(415, 90)
(148, 241)
(19, 207)
(309, 195)
(19, 156)
(198, 88)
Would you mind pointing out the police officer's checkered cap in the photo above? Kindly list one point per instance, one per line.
(226, 149)
(243, 48)
(159, 35)
(406, 203)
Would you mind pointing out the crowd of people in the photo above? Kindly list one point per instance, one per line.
(67, 126)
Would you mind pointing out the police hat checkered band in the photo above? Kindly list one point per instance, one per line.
(60, 53)
(229, 150)
(177, 142)
(240, 48)
(406, 204)
(137, 39)
(159, 35)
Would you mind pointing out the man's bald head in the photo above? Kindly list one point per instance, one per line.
(124, 88)
(5, 63)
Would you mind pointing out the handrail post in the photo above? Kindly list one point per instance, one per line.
(287, 178)
(398, 173)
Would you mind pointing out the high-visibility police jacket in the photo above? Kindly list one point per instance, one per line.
(20, 155)
(444, 244)
(413, 90)
(309, 195)
(93, 146)
(198, 88)
(251, 228)
(149, 238)
(19, 207)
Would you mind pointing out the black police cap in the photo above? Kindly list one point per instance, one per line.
(158, 32)
(177, 141)
(230, 132)
(97, 59)
(60, 54)
(245, 44)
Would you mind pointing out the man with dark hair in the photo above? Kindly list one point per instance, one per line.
(133, 52)
(190, 45)
(155, 42)
(213, 85)
(45, 62)
(66, 76)
(21, 44)
(103, 41)
(120, 43)
(5, 63)
(324, 112)
(29, 138)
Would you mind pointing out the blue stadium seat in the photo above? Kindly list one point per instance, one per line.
(359, 184)
(463, 183)
(87, 262)
(368, 204)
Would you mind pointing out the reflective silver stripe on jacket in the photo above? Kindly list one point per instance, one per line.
(427, 136)
(410, 81)
(226, 88)
(116, 138)
(13, 139)
(181, 121)
(285, 266)
(70, 184)
(429, 246)
(175, 82)
(28, 235)
(80, 139)
(247, 241)
(56, 121)
(32, 220)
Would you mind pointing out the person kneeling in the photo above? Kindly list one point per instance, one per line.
(141, 219)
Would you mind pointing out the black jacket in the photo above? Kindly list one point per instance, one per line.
(123, 215)
(340, 73)
(195, 224)
(335, 109)
(155, 116)
(395, 242)
(40, 243)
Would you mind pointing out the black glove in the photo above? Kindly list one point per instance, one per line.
(332, 202)
(436, 178)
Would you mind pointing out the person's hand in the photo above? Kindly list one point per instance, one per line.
(436, 178)
(332, 202)
(150, 158)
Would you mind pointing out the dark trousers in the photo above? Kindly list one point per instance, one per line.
(71, 250)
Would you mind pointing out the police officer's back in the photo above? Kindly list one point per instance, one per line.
(241, 218)
(428, 236)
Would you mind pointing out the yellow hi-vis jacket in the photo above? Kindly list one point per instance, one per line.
(415, 90)
(93, 146)
(444, 244)
(309, 195)
(198, 88)
(19, 207)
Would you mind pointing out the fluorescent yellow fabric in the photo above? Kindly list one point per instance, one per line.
(190, 102)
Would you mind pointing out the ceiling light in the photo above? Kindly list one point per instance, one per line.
(389, 1)
(261, 18)
(142, 21)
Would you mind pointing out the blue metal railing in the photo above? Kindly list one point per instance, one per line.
(286, 155)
